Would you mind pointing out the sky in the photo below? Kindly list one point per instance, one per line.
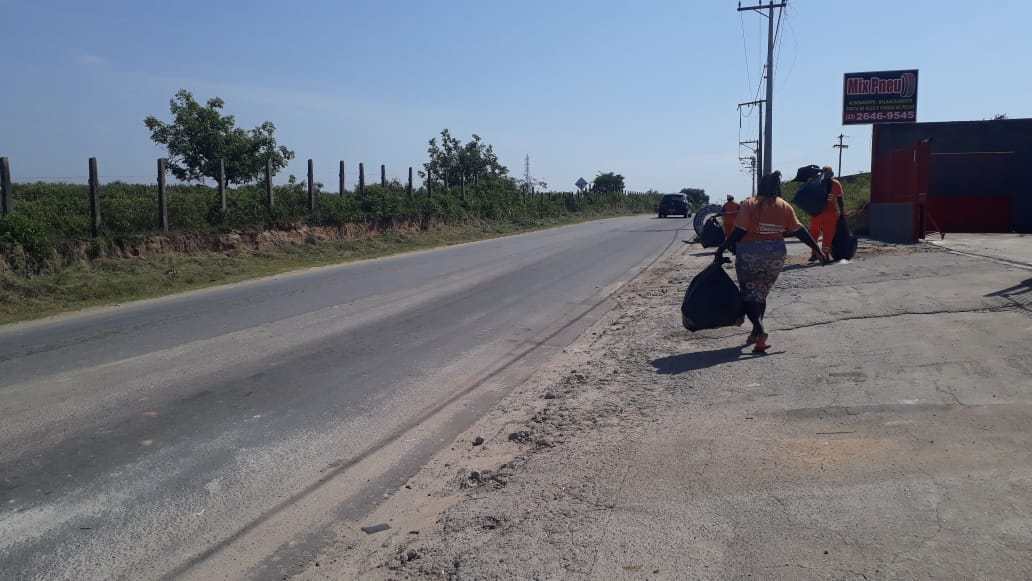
(644, 88)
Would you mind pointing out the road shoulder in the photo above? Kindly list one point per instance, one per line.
(883, 437)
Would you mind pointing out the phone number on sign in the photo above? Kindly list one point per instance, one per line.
(882, 116)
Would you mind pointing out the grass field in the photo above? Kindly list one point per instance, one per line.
(106, 281)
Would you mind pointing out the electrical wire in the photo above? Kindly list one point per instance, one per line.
(745, 49)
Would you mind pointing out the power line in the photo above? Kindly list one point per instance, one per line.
(771, 39)
(745, 49)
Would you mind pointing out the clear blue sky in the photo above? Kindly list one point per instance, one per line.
(647, 88)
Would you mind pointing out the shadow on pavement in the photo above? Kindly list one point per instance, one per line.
(676, 364)
(1021, 288)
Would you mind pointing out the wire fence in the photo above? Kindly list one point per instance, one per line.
(37, 215)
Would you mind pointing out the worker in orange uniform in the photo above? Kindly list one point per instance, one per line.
(823, 225)
(729, 214)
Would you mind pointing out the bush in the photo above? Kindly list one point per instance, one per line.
(47, 214)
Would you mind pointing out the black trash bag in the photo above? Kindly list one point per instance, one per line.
(712, 301)
(770, 185)
(807, 173)
(843, 245)
(712, 233)
(812, 197)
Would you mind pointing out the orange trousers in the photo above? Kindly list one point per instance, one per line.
(824, 224)
(729, 224)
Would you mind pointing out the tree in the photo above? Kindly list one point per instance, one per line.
(199, 136)
(453, 163)
(697, 198)
(608, 182)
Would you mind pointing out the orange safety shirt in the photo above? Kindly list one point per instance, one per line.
(766, 219)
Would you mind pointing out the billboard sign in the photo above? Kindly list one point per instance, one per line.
(879, 97)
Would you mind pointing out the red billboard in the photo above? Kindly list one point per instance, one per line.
(879, 97)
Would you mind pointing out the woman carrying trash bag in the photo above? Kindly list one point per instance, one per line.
(761, 226)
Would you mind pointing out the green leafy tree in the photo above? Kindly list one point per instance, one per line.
(199, 136)
(608, 182)
(452, 163)
(697, 198)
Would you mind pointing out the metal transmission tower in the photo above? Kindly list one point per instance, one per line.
(771, 36)
(840, 146)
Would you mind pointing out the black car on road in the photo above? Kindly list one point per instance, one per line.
(673, 204)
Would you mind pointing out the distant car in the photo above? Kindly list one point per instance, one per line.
(673, 204)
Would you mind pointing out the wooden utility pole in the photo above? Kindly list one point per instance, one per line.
(383, 176)
(311, 186)
(94, 199)
(340, 176)
(6, 196)
(268, 184)
(408, 188)
(162, 199)
(222, 185)
(840, 146)
(361, 179)
(758, 141)
(768, 136)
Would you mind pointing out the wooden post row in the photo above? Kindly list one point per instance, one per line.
(94, 199)
(311, 186)
(222, 185)
(162, 200)
(6, 195)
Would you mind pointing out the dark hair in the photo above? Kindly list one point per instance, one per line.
(770, 185)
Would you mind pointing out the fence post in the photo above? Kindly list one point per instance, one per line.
(340, 176)
(361, 178)
(94, 199)
(409, 187)
(311, 186)
(222, 185)
(383, 176)
(268, 183)
(6, 196)
(162, 200)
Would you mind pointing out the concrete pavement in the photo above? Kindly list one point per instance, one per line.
(886, 436)
(222, 433)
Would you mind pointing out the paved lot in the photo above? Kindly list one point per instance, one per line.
(887, 436)
(222, 433)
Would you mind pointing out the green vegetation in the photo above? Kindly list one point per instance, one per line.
(200, 136)
(112, 280)
(50, 262)
(697, 198)
(608, 182)
(857, 190)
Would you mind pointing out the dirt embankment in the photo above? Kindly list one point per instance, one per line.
(15, 258)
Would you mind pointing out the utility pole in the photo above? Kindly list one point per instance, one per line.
(749, 163)
(759, 138)
(769, 129)
(526, 174)
(840, 146)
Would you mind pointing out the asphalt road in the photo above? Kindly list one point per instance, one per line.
(221, 433)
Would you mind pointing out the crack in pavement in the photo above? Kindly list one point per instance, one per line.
(982, 310)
